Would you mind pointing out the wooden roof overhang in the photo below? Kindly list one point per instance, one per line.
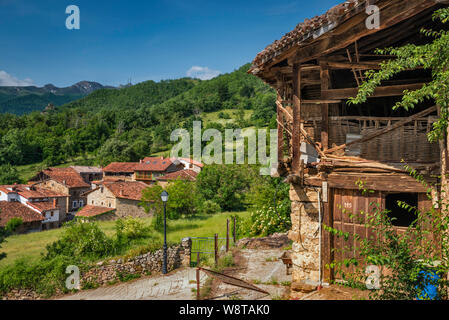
(341, 33)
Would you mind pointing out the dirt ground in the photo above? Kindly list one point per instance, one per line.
(257, 262)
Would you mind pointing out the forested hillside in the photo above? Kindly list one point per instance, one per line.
(130, 123)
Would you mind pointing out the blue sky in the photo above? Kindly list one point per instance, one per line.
(141, 40)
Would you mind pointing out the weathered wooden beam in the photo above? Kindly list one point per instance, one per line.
(283, 127)
(390, 182)
(321, 101)
(351, 65)
(280, 117)
(386, 91)
(296, 138)
(325, 83)
(386, 130)
(282, 109)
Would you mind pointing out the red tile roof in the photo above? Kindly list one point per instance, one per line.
(188, 175)
(37, 192)
(117, 167)
(194, 162)
(30, 191)
(308, 29)
(93, 211)
(9, 210)
(43, 206)
(66, 176)
(126, 189)
(159, 164)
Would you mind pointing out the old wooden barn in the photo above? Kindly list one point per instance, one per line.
(326, 145)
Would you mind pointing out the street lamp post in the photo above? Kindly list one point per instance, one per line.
(164, 197)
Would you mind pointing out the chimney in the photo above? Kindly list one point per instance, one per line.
(55, 203)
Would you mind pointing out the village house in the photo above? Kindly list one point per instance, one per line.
(89, 174)
(114, 199)
(185, 175)
(120, 171)
(149, 169)
(190, 164)
(65, 181)
(326, 146)
(146, 170)
(49, 204)
(31, 220)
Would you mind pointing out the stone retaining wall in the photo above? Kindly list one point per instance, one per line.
(106, 272)
(109, 272)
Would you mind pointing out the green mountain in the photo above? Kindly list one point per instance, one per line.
(129, 123)
(22, 100)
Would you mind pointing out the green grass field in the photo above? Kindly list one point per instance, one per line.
(213, 116)
(31, 246)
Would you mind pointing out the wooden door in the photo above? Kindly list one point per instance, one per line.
(347, 217)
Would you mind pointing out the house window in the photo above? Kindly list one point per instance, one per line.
(401, 217)
(81, 203)
(75, 204)
(92, 201)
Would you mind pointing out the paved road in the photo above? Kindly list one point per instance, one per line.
(174, 286)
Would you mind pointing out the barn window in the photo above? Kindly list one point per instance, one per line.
(401, 217)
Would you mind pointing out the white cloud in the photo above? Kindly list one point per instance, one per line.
(7, 80)
(203, 73)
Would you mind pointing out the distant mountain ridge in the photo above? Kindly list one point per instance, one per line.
(21, 100)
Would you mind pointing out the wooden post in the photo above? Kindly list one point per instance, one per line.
(325, 84)
(227, 235)
(235, 230)
(296, 137)
(198, 259)
(198, 284)
(280, 119)
(216, 248)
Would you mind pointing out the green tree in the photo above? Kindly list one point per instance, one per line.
(226, 185)
(182, 199)
(9, 174)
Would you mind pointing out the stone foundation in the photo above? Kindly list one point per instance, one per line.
(304, 234)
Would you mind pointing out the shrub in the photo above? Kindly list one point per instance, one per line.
(270, 206)
(210, 207)
(81, 239)
(224, 115)
(13, 224)
(131, 228)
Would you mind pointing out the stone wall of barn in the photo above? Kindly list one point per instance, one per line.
(127, 207)
(305, 235)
